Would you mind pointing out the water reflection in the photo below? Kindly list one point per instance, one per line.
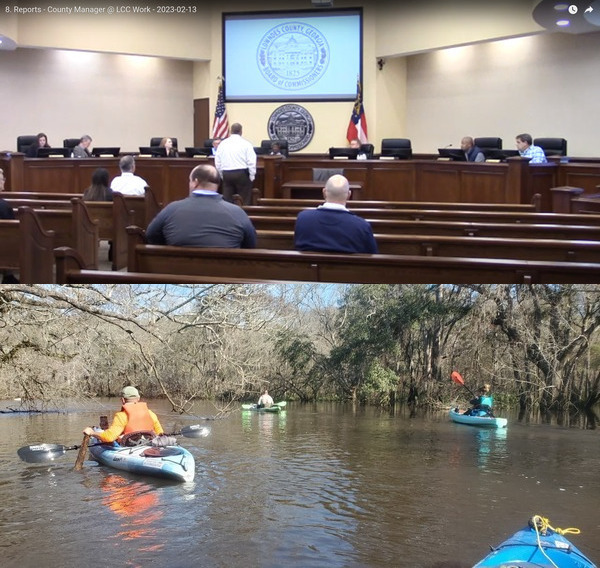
(491, 448)
(137, 505)
(323, 485)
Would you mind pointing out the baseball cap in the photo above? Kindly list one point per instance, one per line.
(130, 392)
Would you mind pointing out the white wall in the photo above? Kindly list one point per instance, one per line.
(119, 100)
(542, 84)
(547, 85)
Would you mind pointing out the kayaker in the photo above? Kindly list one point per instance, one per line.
(265, 400)
(134, 416)
(482, 404)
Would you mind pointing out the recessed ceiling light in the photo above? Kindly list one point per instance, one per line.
(563, 23)
(561, 7)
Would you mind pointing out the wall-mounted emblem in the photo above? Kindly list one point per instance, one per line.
(292, 123)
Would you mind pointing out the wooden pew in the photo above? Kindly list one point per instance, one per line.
(73, 228)
(361, 269)
(15, 203)
(27, 248)
(469, 247)
(439, 215)
(439, 205)
(43, 195)
(567, 199)
(454, 228)
(69, 270)
(112, 217)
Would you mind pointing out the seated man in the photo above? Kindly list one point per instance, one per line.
(472, 153)
(128, 183)
(134, 417)
(528, 150)
(265, 400)
(82, 149)
(204, 219)
(331, 227)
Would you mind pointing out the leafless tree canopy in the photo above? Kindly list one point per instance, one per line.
(536, 345)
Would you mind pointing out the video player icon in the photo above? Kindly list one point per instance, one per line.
(592, 13)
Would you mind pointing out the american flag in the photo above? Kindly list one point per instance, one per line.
(221, 123)
(357, 128)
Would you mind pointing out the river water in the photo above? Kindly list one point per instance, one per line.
(317, 486)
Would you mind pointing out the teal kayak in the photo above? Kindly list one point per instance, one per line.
(169, 462)
(277, 407)
(535, 546)
(486, 421)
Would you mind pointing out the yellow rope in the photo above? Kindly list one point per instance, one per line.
(544, 524)
(541, 525)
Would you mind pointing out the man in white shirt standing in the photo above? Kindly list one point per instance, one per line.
(128, 183)
(236, 161)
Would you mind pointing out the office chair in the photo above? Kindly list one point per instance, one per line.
(488, 143)
(266, 146)
(155, 140)
(552, 146)
(70, 142)
(23, 142)
(396, 147)
(368, 149)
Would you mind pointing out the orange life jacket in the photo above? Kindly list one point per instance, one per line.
(138, 417)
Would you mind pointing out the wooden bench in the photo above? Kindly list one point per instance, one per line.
(453, 228)
(315, 189)
(112, 217)
(362, 269)
(438, 205)
(27, 248)
(69, 270)
(567, 199)
(43, 195)
(470, 247)
(73, 228)
(439, 215)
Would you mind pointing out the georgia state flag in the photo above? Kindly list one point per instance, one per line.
(357, 128)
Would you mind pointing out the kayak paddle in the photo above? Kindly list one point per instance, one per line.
(38, 453)
(456, 377)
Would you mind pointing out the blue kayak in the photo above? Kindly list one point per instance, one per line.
(486, 421)
(170, 462)
(536, 548)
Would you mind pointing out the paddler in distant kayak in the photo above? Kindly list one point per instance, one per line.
(265, 400)
(134, 417)
(482, 403)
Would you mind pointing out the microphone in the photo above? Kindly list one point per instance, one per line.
(448, 146)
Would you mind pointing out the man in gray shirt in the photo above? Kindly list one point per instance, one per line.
(203, 219)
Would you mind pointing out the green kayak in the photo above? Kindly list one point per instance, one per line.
(277, 407)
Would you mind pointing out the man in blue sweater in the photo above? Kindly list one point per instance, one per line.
(331, 227)
(203, 219)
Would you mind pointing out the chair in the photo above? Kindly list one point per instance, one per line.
(323, 174)
(368, 149)
(266, 146)
(343, 152)
(552, 146)
(23, 142)
(488, 143)
(397, 147)
(155, 141)
(70, 142)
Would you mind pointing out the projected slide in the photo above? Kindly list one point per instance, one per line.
(300, 56)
